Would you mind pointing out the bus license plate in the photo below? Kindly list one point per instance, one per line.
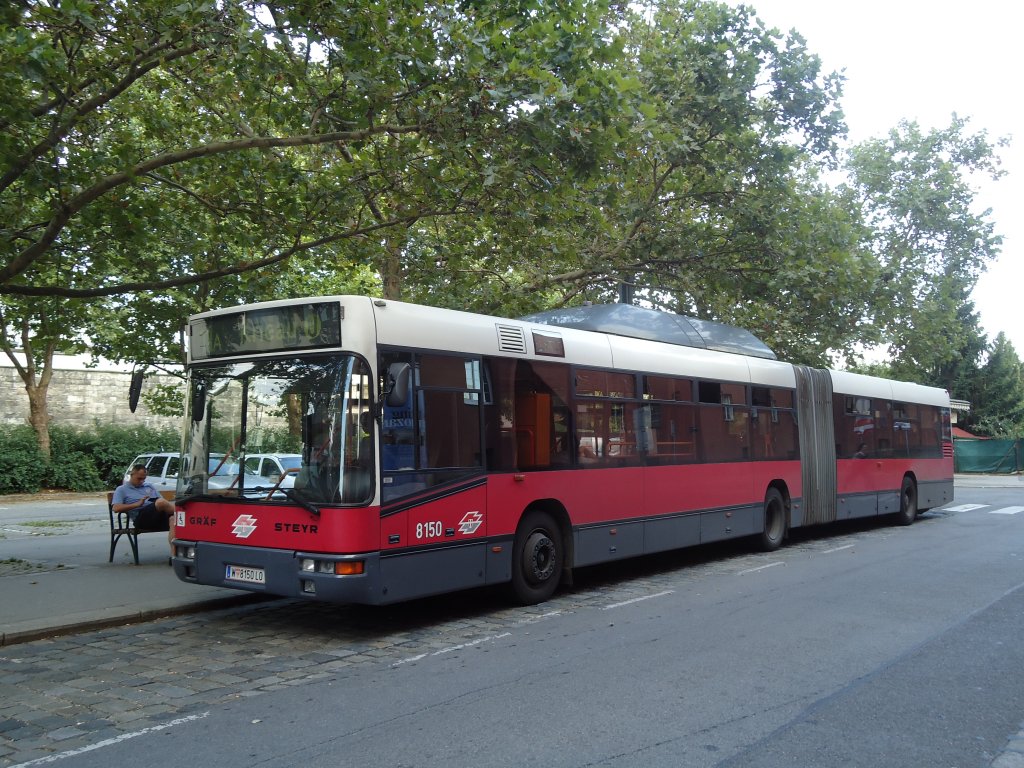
(245, 573)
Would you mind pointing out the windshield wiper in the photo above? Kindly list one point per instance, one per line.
(291, 495)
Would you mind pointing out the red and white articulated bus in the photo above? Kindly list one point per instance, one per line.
(442, 450)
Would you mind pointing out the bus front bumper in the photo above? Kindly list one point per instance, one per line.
(328, 578)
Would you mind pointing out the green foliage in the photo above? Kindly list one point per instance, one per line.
(74, 471)
(22, 467)
(109, 448)
(880, 370)
(264, 440)
(158, 159)
(918, 204)
(997, 394)
(165, 399)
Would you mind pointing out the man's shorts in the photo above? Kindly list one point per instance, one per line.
(152, 518)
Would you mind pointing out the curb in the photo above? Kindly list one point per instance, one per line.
(45, 496)
(144, 615)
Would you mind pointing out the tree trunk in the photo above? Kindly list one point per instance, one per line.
(293, 410)
(37, 383)
(39, 413)
(391, 272)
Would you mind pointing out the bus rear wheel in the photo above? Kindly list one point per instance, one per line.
(908, 502)
(536, 558)
(774, 521)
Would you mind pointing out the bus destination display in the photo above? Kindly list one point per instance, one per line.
(305, 326)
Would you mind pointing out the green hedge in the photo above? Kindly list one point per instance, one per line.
(81, 460)
(22, 467)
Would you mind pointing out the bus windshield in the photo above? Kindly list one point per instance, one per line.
(318, 407)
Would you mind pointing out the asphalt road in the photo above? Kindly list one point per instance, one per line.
(870, 646)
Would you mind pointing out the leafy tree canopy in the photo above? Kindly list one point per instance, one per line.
(997, 394)
(929, 241)
(158, 159)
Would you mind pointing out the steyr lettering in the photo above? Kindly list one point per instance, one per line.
(295, 527)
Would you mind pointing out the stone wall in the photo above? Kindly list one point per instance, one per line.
(82, 397)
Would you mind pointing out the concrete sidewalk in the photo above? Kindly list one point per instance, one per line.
(75, 598)
(989, 481)
(61, 582)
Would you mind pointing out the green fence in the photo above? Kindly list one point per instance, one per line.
(993, 457)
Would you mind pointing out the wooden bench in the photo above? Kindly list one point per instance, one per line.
(121, 525)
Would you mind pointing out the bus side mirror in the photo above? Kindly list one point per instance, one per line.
(198, 403)
(135, 389)
(396, 385)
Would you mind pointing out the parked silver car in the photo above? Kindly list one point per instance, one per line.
(276, 467)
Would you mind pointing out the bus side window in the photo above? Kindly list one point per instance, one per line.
(499, 414)
(724, 421)
(398, 449)
(541, 394)
(448, 400)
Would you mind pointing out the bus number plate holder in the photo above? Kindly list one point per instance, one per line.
(245, 573)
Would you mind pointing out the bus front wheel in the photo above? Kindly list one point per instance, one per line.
(774, 521)
(536, 558)
(908, 502)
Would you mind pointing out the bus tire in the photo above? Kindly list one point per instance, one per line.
(908, 502)
(774, 521)
(537, 556)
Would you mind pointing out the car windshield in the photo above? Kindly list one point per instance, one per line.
(317, 410)
(290, 462)
(221, 468)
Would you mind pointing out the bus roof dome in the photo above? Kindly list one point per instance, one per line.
(640, 323)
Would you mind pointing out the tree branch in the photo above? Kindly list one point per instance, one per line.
(234, 269)
(67, 210)
(61, 129)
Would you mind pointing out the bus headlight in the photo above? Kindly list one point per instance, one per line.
(333, 567)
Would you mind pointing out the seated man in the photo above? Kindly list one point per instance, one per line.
(144, 504)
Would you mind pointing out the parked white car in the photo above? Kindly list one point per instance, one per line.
(162, 472)
(161, 468)
(273, 466)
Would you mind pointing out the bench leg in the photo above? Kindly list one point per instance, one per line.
(113, 543)
(133, 538)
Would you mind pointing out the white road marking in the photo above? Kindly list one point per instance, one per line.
(760, 568)
(637, 600)
(535, 619)
(111, 742)
(838, 549)
(450, 649)
(964, 508)
(1006, 511)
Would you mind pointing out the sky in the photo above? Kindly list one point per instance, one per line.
(922, 61)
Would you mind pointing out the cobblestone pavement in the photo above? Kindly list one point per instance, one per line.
(66, 693)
